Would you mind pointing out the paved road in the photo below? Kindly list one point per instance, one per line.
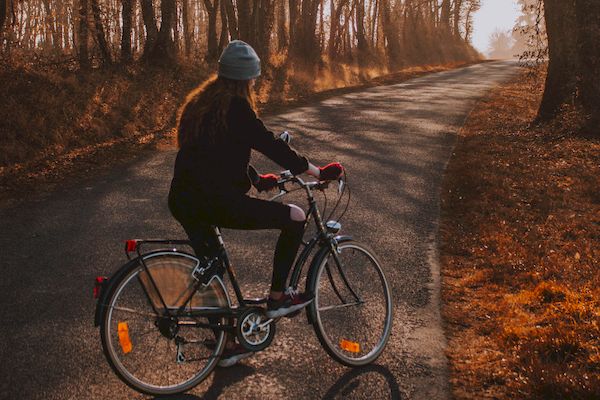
(395, 141)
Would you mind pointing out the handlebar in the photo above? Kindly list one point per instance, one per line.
(286, 176)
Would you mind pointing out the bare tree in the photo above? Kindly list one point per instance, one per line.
(588, 45)
(100, 34)
(212, 44)
(562, 43)
(84, 59)
(3, 6)
(501, 45)
(127, 16)
(150, 27)
(399, 31)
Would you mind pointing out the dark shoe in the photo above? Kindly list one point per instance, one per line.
(233, 355)
(290, 302)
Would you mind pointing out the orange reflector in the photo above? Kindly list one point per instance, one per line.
(123, 330)
(352, 347)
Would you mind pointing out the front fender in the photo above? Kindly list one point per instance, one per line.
(312, 272)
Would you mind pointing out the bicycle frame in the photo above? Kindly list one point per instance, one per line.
(323, 237)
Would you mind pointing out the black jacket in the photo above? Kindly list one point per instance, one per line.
(221, 166)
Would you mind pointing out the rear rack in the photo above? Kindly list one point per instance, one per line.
(132, 245)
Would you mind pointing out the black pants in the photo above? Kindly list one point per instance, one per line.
(197, 213)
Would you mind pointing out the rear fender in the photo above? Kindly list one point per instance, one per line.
(107, 288)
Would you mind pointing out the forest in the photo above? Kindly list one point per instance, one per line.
(105, 64)
(306, 45)
(99, 32)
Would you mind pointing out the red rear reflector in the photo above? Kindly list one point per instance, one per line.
(131, 245)
(98, 285)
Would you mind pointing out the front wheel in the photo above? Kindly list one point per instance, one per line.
(155, 330)
(352, 310)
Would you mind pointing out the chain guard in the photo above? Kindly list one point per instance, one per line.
(252, 331)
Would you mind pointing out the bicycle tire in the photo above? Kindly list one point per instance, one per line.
(353, 331)
(143, 357)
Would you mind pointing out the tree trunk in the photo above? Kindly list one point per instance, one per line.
(588, 23)
(294, 11)
(361, 36)
(224, 37)
(187, 31)
(164, 49)
(231, 19)
(127, 15)
(445, 15)
(100, 35)
(306, 45)
(175, 28)
(468, 24)
(562, 41)
(374, 23)
(334, 30)
(244, 8)
(456, 20)
(392, 35)
(2, 14)
(52, 38)
(264, 16)
(212, 44)
(150, 25)
(282, 32)
(84, 59)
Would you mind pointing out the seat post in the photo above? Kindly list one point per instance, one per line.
(229, 267)
(218, 234)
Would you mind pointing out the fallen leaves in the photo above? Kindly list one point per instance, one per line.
(521, 252)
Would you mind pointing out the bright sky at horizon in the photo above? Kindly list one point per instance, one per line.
(493, 15)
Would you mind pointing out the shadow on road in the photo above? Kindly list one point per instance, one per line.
(222, 378)
(351, 381)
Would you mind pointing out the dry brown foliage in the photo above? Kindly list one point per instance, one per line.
(521, 252)
(56, 123)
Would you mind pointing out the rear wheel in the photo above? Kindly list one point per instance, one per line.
(155, 351)
(352, 308)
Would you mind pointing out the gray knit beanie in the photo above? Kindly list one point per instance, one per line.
(239, 62)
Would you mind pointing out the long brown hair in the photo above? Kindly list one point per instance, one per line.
(205, 109)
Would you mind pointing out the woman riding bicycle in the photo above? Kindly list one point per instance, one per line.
(217, 130)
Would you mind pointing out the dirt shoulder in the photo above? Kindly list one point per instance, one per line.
(122, 116)
(520, 254)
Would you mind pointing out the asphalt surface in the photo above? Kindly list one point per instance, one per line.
(395, 142)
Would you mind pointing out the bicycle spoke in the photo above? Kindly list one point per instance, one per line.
(343, 275)
(358, 303)
(130, 310)
(332, 283)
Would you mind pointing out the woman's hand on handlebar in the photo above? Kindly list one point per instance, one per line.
(266, 182)
(330, 172)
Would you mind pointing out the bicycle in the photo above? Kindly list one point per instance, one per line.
(165, 314)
